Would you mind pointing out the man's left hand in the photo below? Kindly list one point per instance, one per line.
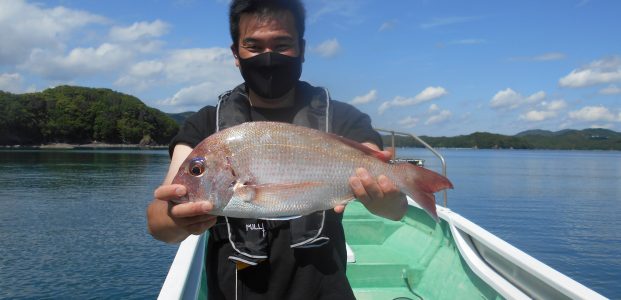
(379, 195)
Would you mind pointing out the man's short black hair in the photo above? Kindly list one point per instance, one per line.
(265, 8)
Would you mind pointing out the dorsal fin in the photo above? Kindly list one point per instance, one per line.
(377, 154)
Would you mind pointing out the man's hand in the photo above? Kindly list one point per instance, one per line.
(192, 217)
(379, 195)
(171, 222)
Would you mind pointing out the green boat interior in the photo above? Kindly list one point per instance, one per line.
(407, 259)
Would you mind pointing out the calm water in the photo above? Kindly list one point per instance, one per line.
(72, 223)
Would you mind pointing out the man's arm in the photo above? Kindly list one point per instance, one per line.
(171, 222)
(379, 195)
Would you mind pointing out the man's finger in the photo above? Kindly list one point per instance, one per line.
(370, 184)
(190, 209)
(359, 192)
(387, 186)
(169, 191)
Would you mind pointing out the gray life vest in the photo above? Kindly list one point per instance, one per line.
(248, 237)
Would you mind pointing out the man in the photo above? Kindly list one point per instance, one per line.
(258, 259)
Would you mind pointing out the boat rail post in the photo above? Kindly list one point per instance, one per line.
(394, 149)
(418, 139)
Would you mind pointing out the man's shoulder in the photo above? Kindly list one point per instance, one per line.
(205, 113)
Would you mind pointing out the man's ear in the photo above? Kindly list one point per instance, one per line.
(235, 55)
(302, 48)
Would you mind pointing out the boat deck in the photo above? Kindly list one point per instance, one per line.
(407, 259)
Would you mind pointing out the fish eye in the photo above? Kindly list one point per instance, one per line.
(196, 167)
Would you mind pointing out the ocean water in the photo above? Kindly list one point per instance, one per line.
(72, 223)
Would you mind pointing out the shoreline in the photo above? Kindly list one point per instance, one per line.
(99, 146)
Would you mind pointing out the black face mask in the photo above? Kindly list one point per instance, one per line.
(271, 75)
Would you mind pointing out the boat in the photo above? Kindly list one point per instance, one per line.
(414, 258)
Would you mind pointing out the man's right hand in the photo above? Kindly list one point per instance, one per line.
(192, 217)
(171, 222)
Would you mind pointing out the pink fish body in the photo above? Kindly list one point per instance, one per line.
(273, 170)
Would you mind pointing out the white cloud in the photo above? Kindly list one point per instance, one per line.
(538, 115)
(11, 82)
(550, 56)
(142, 75)
(438, 118)
(467, 42)
(186, 66)
(511, 99)
(428, 94)
(139, 31)
(550, 110)
(79, 61)
(436, 22)
(339, 9)
(190, 97)
(409, 122)
(555, 105)
(610, 90)
(387, 25)
(364, 99)
(328, 48)
(434, 107)
(25, 27)
(593, 114)
(607, 70)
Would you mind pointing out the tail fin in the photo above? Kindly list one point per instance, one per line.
(420, 184)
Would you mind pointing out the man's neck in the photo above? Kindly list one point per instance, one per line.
(286, 100)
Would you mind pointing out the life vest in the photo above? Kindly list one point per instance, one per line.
(248, 237)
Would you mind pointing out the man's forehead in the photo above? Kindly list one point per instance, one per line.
(276, 21)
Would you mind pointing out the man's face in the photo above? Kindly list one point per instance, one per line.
(259, 35)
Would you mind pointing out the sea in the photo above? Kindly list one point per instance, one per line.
(73, 226)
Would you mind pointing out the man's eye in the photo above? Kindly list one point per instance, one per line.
(282, 48)
(252, 48)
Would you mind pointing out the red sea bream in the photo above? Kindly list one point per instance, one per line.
(273, 170)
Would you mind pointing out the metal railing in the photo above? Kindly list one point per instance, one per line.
(436, 153)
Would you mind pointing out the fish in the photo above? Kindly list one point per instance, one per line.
(273, 170)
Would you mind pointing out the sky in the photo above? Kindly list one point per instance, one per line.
(429, 67)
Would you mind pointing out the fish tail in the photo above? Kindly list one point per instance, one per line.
(420, 184)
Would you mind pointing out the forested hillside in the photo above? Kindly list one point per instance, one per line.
(68, 114)
(587, 139)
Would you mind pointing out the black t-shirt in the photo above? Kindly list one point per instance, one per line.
(314, 273)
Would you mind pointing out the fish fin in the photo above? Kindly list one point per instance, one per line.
(377, 154)
(281, 218)
(420, 184)
(271, 193)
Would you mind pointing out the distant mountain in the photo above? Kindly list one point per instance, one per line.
(535, 132)
(78, 115)
(586, 139)
(180, 117)
(568, 139)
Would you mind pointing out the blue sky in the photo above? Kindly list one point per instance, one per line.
(440, 68)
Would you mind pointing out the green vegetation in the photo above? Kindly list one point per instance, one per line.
(79, 115)
(587, 139)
